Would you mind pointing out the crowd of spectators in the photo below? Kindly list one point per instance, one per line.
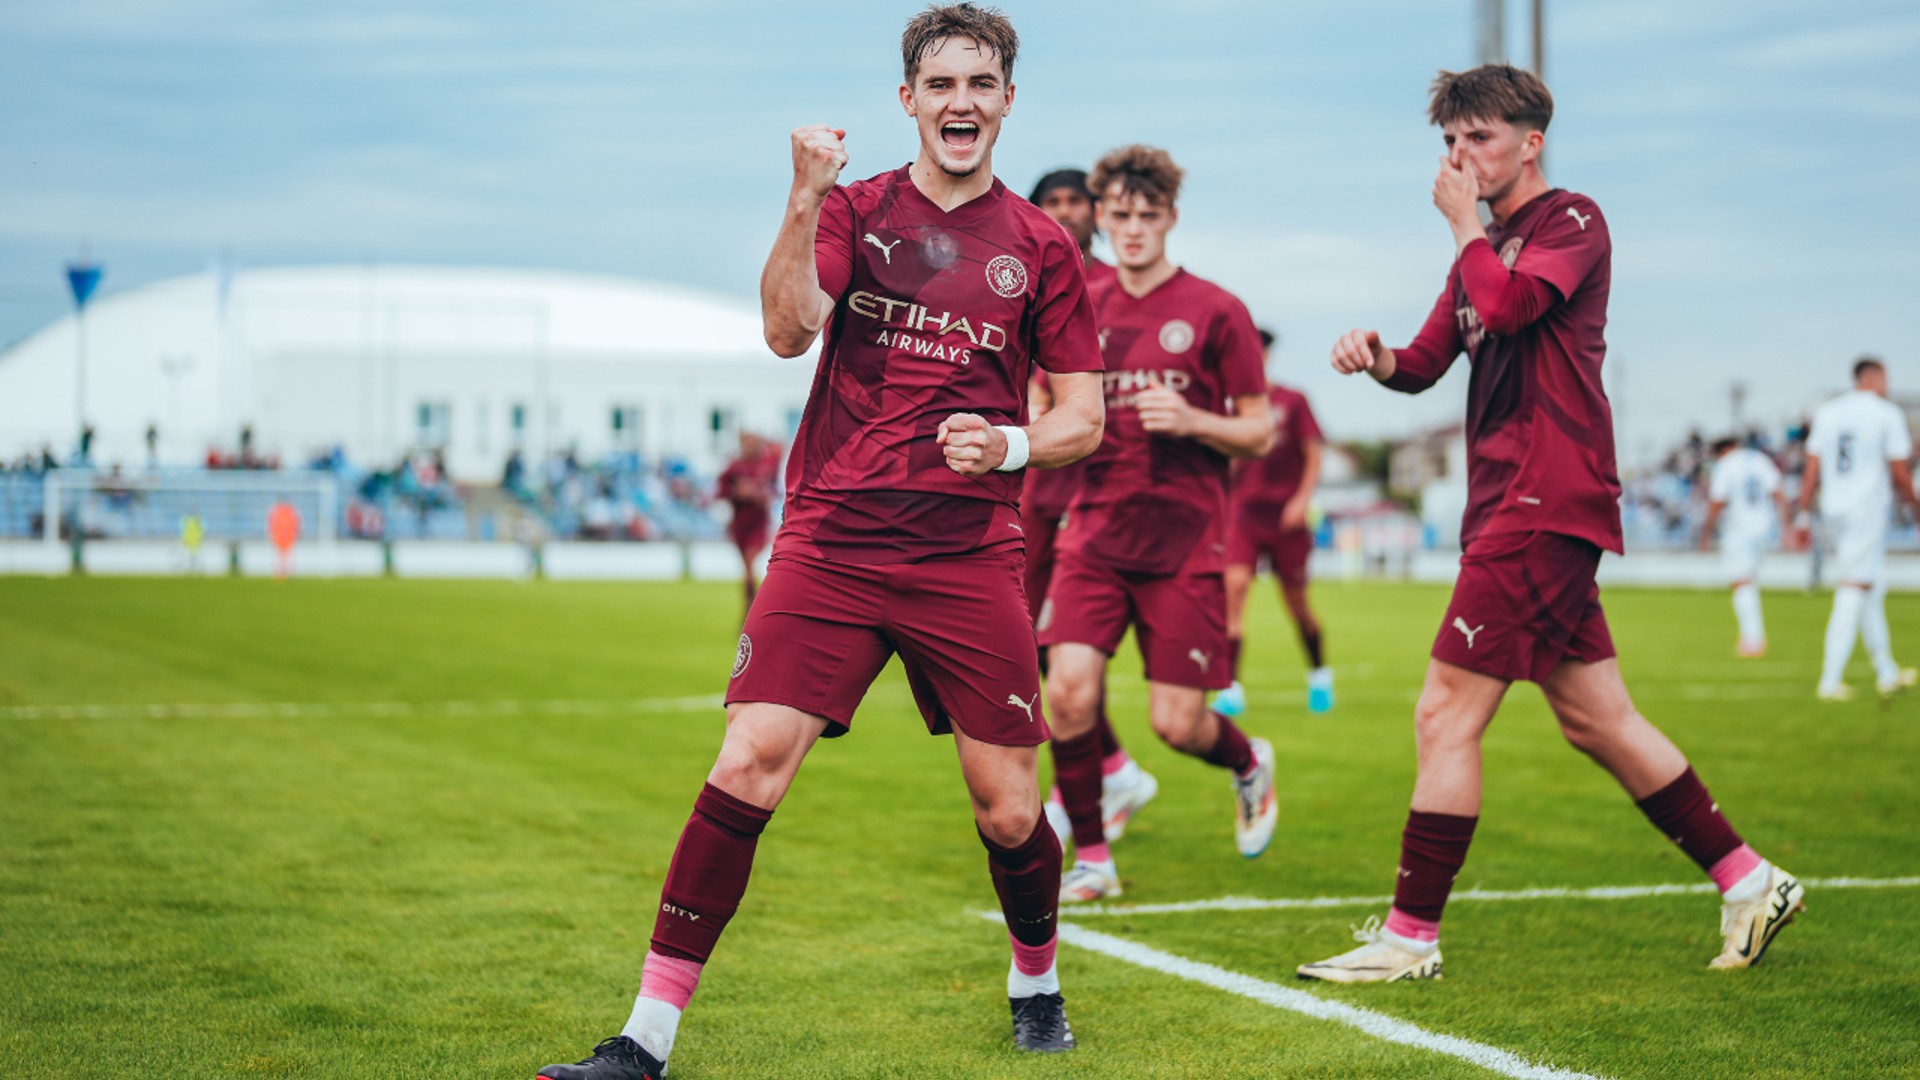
(1663, 507)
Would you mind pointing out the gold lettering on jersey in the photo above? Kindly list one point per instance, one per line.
(907, 315)
(919, 346)
(1467, 318)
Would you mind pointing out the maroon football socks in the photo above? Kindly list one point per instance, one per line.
(1077, 771)
(1432, 850)
(1027, 878)
(708, 875)
(1230, 749)
(1690, 818)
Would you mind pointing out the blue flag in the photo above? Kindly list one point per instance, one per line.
(83, 278)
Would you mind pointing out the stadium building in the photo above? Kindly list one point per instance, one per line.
(381, 361)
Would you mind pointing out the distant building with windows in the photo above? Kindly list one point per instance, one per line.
(381, 361)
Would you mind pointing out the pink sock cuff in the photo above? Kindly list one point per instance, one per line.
(1092, 853)
(669, 979)
(1737, 864)
(1033, 959)
(1114, 762)
(1411, 927)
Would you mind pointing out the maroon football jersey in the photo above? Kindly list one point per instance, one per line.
(1050, 491)
(748, 482)
(1540, 452)
(1156, 504)
(1262, 486)
(936, 312)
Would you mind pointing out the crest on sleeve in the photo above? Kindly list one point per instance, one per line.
(742, 655)
(1007, 276)
(1510, 251)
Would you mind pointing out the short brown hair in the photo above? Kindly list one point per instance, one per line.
(1491, 92)
(1147, 171)
(1866, 363)
(985, 25)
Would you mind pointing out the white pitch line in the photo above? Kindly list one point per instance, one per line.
(1378, 1025)
(1604, 892)
(337, 710)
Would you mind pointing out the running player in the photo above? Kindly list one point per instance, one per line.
(1124, 786)
(1857, 461)
(1270, 499)
(1526, 299)
(747, 484)
(1745, 485)
(938, 290)
(1143, 540)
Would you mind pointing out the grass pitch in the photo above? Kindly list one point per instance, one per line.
(442, 858)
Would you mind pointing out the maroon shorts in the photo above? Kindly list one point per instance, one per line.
(1180, 620)
(1041, 526)
(1284, 551)
(748, 530)
(1523, 604)
(819, 632)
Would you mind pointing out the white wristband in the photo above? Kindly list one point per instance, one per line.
(1017, 448)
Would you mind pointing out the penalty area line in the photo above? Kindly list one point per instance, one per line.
(1378, 1025)
(343, 710)
(1604, 892)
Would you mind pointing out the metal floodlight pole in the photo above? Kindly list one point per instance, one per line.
(83, 277)
(1540, 39)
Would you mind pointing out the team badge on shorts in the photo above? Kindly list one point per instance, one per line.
(1510, 251)
(1176, 336)
(742, 655)
(1007, 276)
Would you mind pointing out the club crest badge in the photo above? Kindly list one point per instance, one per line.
(742, 655)
(1176, 336)
(1510, 251)
(1007, 276)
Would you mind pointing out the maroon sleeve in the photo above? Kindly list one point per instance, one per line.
(1420, 364)
(1306, 428)
(1508, 301)
(1064, 337)
(1564, 249)
(1237, 353)
(833, 243)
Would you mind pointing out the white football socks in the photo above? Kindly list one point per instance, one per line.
(1751, 886)
(1020, 986)
(653, 1025)
(1842, 627)
(1876, 637)
(1746, 609)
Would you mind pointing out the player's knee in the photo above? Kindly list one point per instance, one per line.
(1072, 698)
(1010, 822)
(750, 756)
(1178, 730)
(1591, 732)
(1437, 723)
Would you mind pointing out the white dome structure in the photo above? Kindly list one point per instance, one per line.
(382, 360)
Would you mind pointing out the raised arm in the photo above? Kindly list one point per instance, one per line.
(793, 306)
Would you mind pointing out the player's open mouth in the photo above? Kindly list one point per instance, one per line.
(959, 135)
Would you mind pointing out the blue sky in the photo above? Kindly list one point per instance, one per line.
(1756, 159)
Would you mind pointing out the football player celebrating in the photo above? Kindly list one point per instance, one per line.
(1526, 299)
(938, 291)
(1124, 786)
(1185, 393)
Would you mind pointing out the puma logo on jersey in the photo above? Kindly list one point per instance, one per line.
(1460, 624)
(1014, 699)
(1201, 658)
(1575, 215)
(885, 249)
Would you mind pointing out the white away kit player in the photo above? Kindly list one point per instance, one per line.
(1745, 499)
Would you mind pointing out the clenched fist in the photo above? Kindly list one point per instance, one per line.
(818, 155)
(1163, 411)
(1456, 192)
(1357, 351)
(972, 446)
